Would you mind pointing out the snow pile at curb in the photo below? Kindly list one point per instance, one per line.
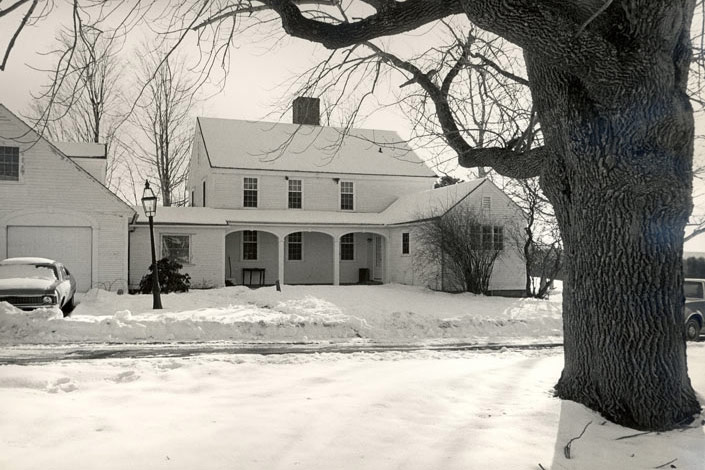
(300, 313)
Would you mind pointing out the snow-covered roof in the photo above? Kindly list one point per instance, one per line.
(27, 260)
(258, 145)
(408, 208)
(81, 149)
(430, 203)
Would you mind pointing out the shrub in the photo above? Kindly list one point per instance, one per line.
(170, 279)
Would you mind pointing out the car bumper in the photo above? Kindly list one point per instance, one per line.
(28, 302)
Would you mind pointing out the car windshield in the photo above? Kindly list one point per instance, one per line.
(27, 271)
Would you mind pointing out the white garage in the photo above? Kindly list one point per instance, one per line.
(72, 246)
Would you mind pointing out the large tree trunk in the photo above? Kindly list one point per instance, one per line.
(620, 183)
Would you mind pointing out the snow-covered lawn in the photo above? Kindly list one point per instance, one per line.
(422, 410)
(391, 313)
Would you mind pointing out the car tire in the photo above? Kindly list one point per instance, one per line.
(68, 307)
(692, 330)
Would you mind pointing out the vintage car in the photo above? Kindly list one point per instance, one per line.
(29, 283)
(694, 290)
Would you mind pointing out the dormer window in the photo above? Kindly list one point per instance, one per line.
(249, 197)
(347, 196)
(9, 164)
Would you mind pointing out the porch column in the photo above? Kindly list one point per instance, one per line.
(336, 260)
(387, 261)
(281, 259)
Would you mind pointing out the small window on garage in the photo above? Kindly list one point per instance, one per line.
(405, 243)
(177, 248)
(9, 163)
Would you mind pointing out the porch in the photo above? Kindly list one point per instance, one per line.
(262, 256)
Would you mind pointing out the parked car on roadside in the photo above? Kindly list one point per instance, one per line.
(694, 290)
(29, 283)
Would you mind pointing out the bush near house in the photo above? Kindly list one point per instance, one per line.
(170, 278)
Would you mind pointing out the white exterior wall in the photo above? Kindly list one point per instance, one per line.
(95, 166)
(53, 191)
(206, 268)
(267, 257)
(320, 191)
(316, 267)
(509, 269)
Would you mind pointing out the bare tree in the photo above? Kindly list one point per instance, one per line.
(163, 141)
(87, 104)
(609, 82)
(462, 245)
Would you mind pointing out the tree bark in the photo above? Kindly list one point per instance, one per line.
(620, 183)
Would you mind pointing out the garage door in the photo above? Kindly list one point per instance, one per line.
(71, 246)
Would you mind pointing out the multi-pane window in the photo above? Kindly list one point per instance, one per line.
(295, 245)
(405, 243)
(9, 164)
(487, 237)
(347, 247)
(177, 248)
(498, 238)
(249, 197)
(295, 194)
(347, 195)
(249, 245)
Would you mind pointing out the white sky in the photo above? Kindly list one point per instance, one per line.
(258, 77)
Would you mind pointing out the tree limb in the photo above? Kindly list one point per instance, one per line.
(504, 161)
(19, 29)
(397, 17)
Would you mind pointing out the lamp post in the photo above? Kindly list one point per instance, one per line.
(149, 203)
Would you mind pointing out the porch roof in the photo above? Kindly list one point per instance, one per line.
(406, 209)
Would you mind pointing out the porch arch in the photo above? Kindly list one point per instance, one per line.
(251, 259)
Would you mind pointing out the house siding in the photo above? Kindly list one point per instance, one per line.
(206, 269)
(320, 192)
(54, 191)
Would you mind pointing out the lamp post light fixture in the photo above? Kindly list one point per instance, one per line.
(149, 203)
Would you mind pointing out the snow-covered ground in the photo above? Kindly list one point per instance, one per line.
(391, 313)
(423, 410)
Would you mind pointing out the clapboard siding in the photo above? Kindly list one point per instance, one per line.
(55, 191)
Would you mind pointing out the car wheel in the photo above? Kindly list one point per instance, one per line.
(68, 307)
(692, 330)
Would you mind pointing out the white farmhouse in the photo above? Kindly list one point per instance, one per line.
(302, 203)
(54, 204)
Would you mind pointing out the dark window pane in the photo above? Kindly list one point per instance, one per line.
(693, 289)
(249, 245)
(498, 238)
(347, 247)
(405, 243)
(176, 248)
(295, 246)
(486, 237)
(9, 164)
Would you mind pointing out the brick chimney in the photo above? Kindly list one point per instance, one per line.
(307, 111)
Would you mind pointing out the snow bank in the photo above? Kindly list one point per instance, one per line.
(299, 313)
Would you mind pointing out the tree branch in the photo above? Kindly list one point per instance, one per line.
(397, 17)
(19, 29)
(504, 161)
